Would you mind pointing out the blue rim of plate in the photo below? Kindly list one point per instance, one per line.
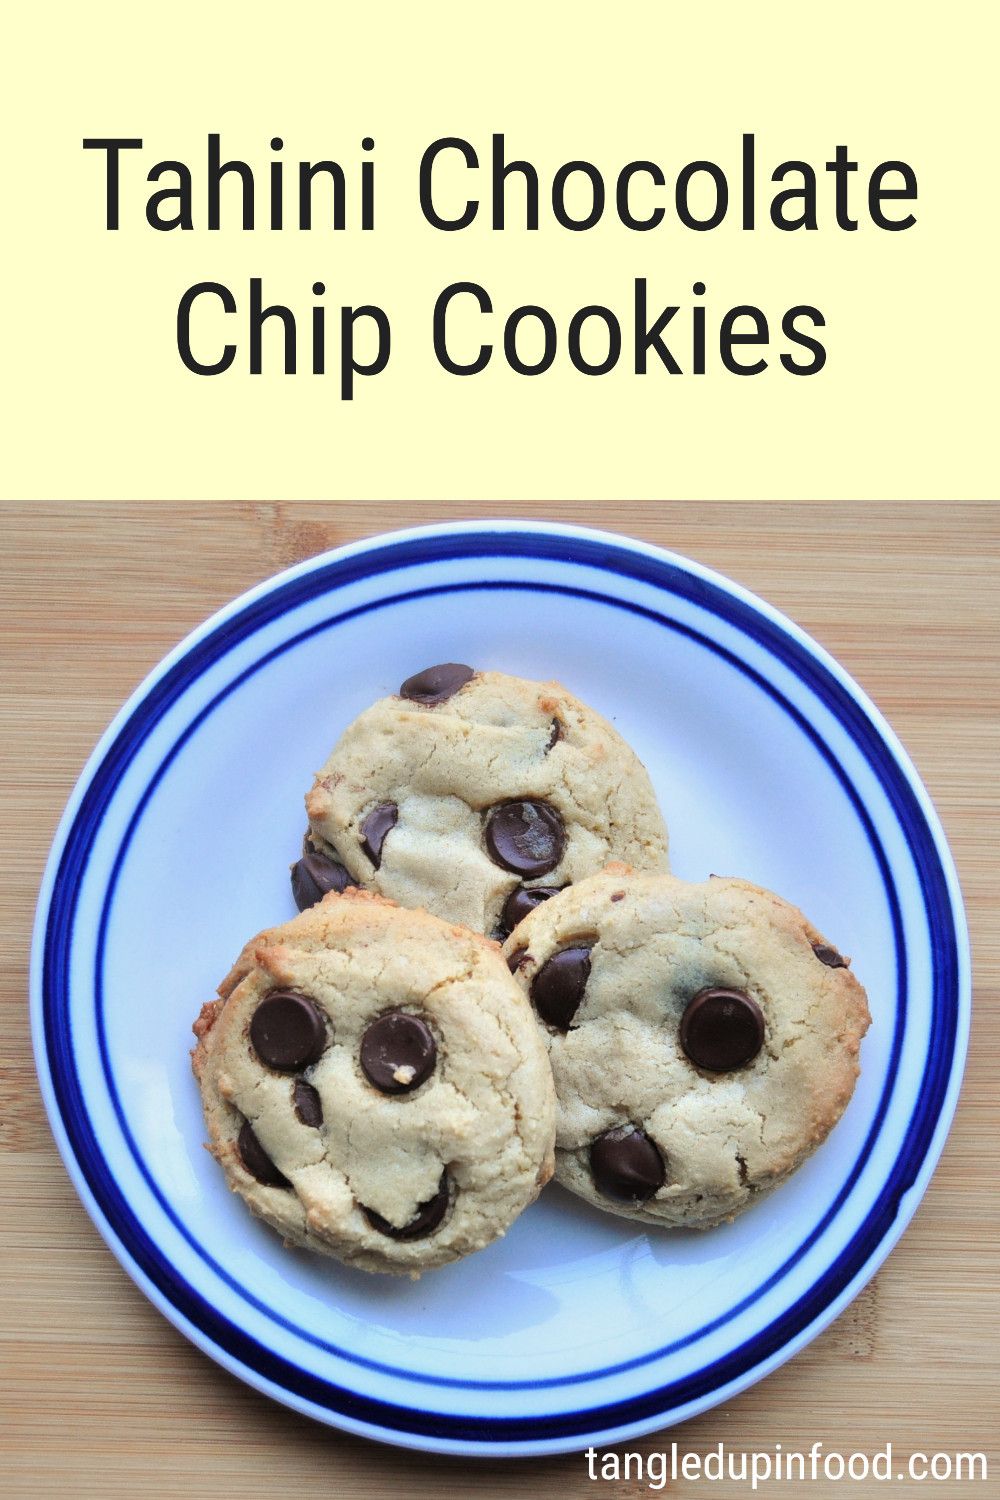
(673, 577)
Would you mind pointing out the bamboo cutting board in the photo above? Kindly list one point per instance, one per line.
(101, 1397)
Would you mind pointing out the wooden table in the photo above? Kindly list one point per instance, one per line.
(101, 1396)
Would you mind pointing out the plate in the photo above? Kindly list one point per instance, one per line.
(577, 1328)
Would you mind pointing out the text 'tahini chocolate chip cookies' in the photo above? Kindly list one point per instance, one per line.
(375, 1085)
(704, 1040)
(476, 795)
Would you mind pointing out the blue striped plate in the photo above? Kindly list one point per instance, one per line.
(577, 1328)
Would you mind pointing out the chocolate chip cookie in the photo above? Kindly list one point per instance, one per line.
(477, 795)
(375, 1085)
(704, 1039)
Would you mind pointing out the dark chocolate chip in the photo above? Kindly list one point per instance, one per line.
(288, 1031)
(618, 895)
(374, 829)
(306, 1103)
(256, 1159)
(426, 1219)
(527, 838)
(398, 1052)
(515, 959)
(435, 684)
(829, 956)
(557, 988)
(315, 874)
(522, 899)
(555, 735)
(626, 1164)
(722, 1029)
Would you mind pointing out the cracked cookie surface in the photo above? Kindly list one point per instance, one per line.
(468, 791)
(704, 1039)
(375, 1085)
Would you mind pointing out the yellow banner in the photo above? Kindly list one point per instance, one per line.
(446, 251)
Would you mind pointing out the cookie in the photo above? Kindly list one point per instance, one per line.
(704, 1039)
(375, 1085)
(477, 795)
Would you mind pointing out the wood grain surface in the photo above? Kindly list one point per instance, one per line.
(101, 1397)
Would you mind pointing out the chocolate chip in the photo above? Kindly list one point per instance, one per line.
(374, 829)
(306, 1103)
(829, 956)
(315, 874)
(555, 735)
(527, 838)
(626, 1164)
(435, 684)
(256, 1159)
(515, 959)
(618, 895)
(426, 1219)
(288, 1031)
(722, 1029)
(557, 988)
(522, 899)
(398, 1052)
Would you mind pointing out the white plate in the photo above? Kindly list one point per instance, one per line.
(577, 1327)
